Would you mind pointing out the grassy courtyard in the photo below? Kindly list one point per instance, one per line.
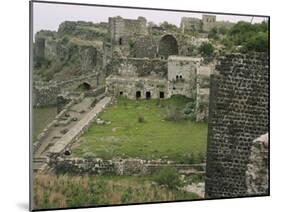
(138, 129)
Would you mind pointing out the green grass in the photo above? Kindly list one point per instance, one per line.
(51, 191)
(41, 117)
(153, 139)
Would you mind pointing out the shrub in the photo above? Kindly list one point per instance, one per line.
(251, 37)
(189, 111)
(206, 49)
(168, 176)
(191, 158)
(141, 119)
(41, 62)
(127, 195)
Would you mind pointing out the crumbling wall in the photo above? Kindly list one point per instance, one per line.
(88, 57)
(239, 113)
(257, 168)
(144, 46)
(130, 86)
(127, 167)
(46, 94)
(121, 30)
(142, 66)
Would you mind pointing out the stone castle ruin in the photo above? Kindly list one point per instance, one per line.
(133, 59)
(206, 24)
(237, 159)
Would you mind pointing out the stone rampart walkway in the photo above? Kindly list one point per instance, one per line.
(80, 127)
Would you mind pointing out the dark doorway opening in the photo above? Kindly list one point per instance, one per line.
(120, 41)
(67, 152)
(148, 95)
(161, 95)
(121, 93)
(84, 86)
(138, 94)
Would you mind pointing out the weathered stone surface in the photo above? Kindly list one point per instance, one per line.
(79, 128)
(127, 167)
(47, 94)
(239, 113)
(257, 168)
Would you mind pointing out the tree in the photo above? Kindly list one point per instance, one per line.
(213, 34)
(251, 37)
(206, 49)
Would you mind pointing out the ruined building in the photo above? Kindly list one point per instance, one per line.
(206, 24)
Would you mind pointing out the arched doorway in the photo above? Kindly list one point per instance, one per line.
(168, 45)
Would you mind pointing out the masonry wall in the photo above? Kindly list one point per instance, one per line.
(121, 30)
(127, 167)
(121, 86)
(182, 75)
(141, 66)
(46, 95)
(239, 113)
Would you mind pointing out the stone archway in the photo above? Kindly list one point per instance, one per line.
(168, 45)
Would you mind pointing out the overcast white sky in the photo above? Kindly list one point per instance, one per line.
(49, 16)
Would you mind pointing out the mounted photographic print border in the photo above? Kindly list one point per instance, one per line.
(128, 108)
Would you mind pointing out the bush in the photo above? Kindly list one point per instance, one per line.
(206, 49)
(189, 111)
(127, 195)
(191, 159)
(168, 176)
(141, 119)
(251, 37)
(41, 62)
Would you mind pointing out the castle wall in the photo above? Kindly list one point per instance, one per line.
(182, 75)
(88, 58)
(239, 113)
(129, 86)
(141, 66)
(120, 30)
(46, 95)
(257, 169)
(191, 24)
(203, 91)
(208, 22)
(144, 46)
(127, 167)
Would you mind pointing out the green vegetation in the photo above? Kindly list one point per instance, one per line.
(76, 191)
(206, 49)
(42, 116)
(168, 176)
(167, 26)
(249, 37)
(152, 137)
